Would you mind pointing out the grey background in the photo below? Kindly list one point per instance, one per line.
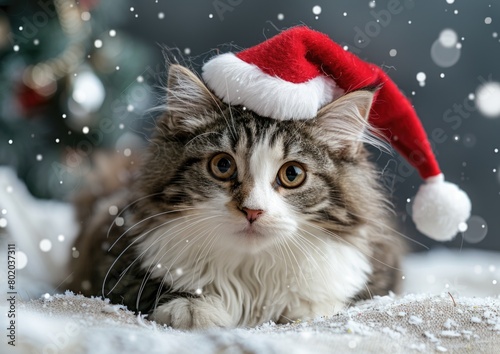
(466, 156)
(245, 23)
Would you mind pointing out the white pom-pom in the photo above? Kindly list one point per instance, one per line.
(439, 207)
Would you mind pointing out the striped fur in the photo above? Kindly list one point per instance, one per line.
(187, 254)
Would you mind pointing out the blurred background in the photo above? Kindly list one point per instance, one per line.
(78, 77)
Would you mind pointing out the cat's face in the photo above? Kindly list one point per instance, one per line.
(250, 181)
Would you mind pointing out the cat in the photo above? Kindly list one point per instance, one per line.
(234, 220)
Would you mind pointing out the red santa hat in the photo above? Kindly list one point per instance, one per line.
(295, 73)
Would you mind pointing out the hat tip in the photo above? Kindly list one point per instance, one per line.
(439, 208)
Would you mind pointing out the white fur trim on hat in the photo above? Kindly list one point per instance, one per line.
(439, 208)
(239, 83)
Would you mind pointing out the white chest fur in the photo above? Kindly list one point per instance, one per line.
(299, 278)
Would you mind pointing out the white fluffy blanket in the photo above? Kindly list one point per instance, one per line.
(457, 311)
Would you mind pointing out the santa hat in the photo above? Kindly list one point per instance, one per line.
(295, 73)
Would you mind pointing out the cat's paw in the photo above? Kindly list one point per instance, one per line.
(193, 313)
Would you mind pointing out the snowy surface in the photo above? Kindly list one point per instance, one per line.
(458, 309)
(414, 323)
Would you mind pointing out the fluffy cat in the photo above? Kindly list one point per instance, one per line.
(233, 219)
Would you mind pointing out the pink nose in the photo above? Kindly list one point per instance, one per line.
(252, 214)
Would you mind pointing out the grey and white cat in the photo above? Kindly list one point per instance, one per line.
(233, 219)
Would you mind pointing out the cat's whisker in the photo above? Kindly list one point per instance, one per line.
(201, 135)
(287, 246)
(385, 204)
(368, 290)
(233, 130)
(277, 244)
(349, 243)
(193, 240)
(128, 206)
(287, 318)
(221, 111)
(156, 215)
(295, 132)
(168, 273)
(146, 219)
(212, 238)
(384, 225)
(309, 257)
(173, 236)
(188, 220)
(312, 245)
(276, 247)
(137, 239)
(285, 250)
(309, 246)
(148, 275)
(165, 276)
(313, 235)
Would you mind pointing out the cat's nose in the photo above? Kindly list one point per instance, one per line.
(252, 214)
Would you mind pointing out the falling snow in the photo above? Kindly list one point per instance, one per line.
(488, 99)
(448, 38)
(113, 210)
(21, 260)
(445, 51)
(45, 245)
(421, 78)
(85, 16)
(119, 221)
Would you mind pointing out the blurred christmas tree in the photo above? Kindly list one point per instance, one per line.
(71, 83)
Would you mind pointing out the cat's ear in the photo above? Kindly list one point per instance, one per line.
(189, 102)
(345, 121)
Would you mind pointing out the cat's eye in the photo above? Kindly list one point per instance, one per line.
(223, 166)
(291, 175)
